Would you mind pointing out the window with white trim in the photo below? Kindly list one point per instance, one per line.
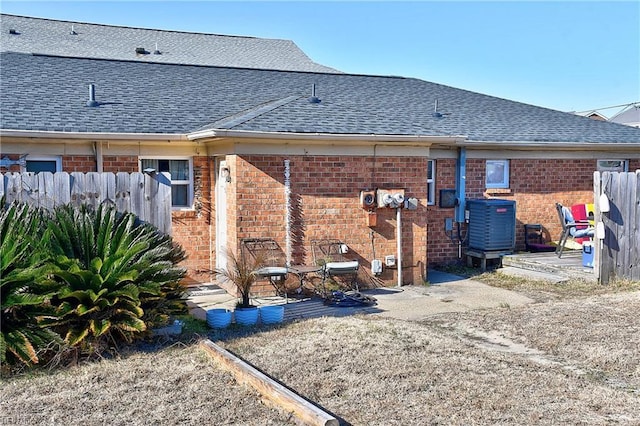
(497, 174)
(431, 182)
(37, 164)
(181, 172)
(613, 165)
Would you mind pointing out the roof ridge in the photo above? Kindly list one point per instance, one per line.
(251, 113)
(142, 28)
(181, 64)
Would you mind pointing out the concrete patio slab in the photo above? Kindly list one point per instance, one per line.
(446, 293)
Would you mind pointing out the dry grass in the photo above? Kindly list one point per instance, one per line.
(598, 334)
(173, 386)
(543, 291)
(384, 372)
(570, 359)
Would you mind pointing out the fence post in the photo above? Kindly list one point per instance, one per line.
(597, 260)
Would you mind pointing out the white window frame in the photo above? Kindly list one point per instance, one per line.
(504, 183)
(431, 183)
(189, 182)
(56, 158)
(623, 167)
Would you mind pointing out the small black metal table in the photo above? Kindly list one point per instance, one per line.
(301, 271)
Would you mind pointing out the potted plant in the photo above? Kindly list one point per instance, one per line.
(242, 273)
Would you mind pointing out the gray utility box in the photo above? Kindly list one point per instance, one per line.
(492, 224)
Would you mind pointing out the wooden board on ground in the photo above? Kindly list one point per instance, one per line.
(275, 392)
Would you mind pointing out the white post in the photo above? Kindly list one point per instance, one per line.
(287, 200)
(399, 238)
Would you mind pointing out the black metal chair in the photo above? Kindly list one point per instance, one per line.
(275, 263)
(330, 255)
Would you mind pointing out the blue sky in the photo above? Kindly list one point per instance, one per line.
(565, 55)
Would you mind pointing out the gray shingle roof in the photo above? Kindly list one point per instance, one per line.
(53, 37)
(50, 93)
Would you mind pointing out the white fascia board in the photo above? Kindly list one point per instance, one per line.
(45, 134)
(223, 133)
(597, 146)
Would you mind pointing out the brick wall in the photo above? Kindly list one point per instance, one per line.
(325, 198)
(120, 163)
(440, 247)
(191, 228)
(79, 163)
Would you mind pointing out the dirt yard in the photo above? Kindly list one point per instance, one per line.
(563, 360)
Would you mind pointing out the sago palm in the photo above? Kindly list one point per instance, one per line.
(109, 266)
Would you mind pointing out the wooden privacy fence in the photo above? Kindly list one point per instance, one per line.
(146, 196)
(618, 254)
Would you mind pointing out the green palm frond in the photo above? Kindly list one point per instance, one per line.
(25, 286)
(131, 324)
(19, 344)
(76, 335)
(99, 326)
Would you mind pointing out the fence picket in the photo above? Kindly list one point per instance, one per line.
(163, 199)
(136, 191)
(93, 192)
(29, 192)
(62, 188)
(46, 193)
(108, 188)
(78, 195)
(9, 187)
(123, 198)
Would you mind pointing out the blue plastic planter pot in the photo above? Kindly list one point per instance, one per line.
(272, 314)
(219, 318)
(246, 316)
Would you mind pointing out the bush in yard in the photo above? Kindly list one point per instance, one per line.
(115, 274)
(24, 284)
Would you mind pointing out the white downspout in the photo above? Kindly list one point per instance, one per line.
(97, 146)
(287, 209)
(399, 240)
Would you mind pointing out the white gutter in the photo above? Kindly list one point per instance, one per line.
(224, 133)
(549, 144)
(92, 135)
